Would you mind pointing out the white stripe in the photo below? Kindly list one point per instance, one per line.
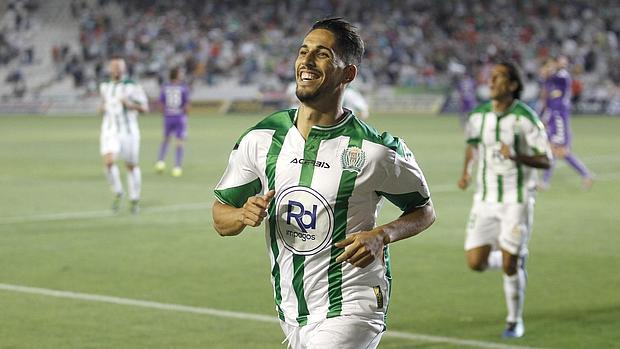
(233, 314)
(98, 214)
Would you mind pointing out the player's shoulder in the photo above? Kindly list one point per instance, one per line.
(523, 110)
(383, 140)
(278, 121)
(482, 108)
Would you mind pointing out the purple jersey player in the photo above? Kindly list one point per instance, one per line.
(556, 116)
(466, 87)
(174, 98)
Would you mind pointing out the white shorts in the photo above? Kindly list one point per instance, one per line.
(125, 146)
(340, 332)
(507, 226)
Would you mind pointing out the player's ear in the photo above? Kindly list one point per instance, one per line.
(350, 72)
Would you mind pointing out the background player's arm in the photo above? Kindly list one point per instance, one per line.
(230, 221)
(364, 247)
(471, 152)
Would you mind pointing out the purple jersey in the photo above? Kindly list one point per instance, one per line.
(558, 93)
(174, 98)
(557, 107)
(467, 93)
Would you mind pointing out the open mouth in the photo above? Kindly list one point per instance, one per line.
(308, 75)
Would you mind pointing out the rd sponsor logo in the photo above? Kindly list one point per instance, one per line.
(304, 220)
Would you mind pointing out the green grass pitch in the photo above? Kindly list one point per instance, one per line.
(55, 234)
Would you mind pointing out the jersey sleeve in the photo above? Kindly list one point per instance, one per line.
(137, 95)
(473, 129)
(404, 184)
(240, 180)
(535, 137)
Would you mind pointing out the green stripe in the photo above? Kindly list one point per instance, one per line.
(341, 208)
(388, 275)
(484, 158)
(311, 150)
(237, 196)
(270, 169)
(519, 170)
(500, 188)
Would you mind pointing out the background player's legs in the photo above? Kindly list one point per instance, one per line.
(478, 257)
(160, 166)
(114, 178)
(181, 134)
(577, 165)
(514, 290)
(180, 153)
(134, 185)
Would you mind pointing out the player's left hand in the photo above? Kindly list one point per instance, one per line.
(362, 248)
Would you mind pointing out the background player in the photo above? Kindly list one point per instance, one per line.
(556, 99)
(174, 97)
(512, 142)
(121, 101)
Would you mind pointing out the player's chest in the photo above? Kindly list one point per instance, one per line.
(499, 129)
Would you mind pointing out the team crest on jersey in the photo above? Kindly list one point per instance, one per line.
(353, 159)
(304, 220)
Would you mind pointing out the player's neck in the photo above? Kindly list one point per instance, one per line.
(501, 105)
(308, 116)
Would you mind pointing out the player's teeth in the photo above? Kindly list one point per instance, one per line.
(307, 76)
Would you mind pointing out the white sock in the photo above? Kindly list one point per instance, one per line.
(514, 290)
(114, 179)
(495, 260)
(134, 183)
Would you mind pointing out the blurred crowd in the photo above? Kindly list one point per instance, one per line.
(408, 42)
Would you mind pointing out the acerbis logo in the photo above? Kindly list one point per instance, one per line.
(304, 220)
(314, 163)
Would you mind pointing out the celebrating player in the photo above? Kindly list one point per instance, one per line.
(512, 143)
(121, 101)
(318, 174)
(174, 98)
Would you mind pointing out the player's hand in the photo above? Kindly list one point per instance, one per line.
(362, 248)
(506, 151)
(464, 181)
(559, 151)
(255, 209)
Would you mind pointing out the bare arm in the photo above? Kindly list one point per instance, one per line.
(536, 161)
(364, 247)
(471, 152)
(230, 221)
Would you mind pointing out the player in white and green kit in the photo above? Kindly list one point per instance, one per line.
(319, 174)
(509, 142)
(121, 101)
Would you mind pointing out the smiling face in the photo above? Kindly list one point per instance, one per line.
(319, 71)
(501, 86)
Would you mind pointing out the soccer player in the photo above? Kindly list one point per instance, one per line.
(510, 142)
(121, 101)
(556, 97)
(318, 174)
(466, 87)
(174, 98)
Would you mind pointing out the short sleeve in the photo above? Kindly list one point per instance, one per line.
(473, 128)
(240, 180)
(535, 137)
(404, 184)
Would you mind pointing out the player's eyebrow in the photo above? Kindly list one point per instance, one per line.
(320, 47)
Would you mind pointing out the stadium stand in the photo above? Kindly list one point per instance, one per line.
(413, 44)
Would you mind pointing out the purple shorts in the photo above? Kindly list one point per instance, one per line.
(176, 125)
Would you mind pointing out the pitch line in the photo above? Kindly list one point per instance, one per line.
(100, 213)
(235, 315)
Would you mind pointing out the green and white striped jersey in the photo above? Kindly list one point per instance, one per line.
(327, 186)
(116, 118)
(499, 179)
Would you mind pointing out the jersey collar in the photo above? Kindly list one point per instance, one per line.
(341, 121)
